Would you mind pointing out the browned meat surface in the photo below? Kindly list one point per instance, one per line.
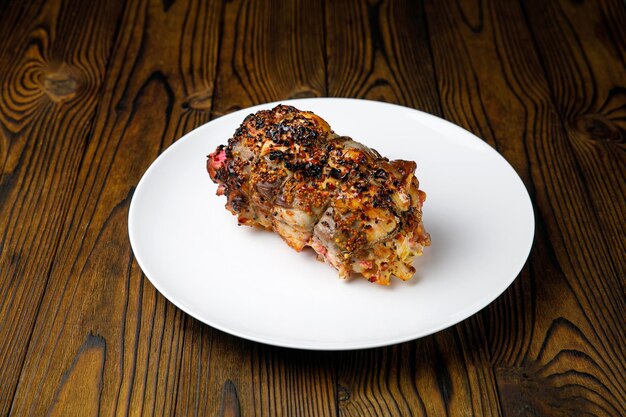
(285, 170)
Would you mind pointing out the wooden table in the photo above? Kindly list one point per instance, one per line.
(93, 91)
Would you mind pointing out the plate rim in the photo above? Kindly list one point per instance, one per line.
(476, 307)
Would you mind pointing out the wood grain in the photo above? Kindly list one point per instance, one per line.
(293, 382)
(51, 76)
(380, 50)
(95, 292)
(549, 347)
(587, 80)
(269, 51)
(92, 92)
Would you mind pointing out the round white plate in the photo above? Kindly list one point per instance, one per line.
(249, 283)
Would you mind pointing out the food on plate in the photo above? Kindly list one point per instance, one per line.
(285, 170)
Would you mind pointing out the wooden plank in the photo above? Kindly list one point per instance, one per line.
(587, 80)
(443, 374)
(105, 342)
(294, 382)
(268, 51)
(247, 378)
(380, 50)
(51, 73)
(548, 345)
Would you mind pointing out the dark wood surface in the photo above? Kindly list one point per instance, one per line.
(93, 91)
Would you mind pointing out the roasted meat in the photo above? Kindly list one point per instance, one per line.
(285, 170)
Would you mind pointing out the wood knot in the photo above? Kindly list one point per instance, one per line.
(598, 127)
(60, 85)
(200, 101)
(343, 394)
(230, 401)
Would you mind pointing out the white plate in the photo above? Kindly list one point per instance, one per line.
(249, 283)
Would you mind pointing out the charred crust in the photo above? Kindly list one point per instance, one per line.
(238, 202)
(335, 173)
(287, 158)
(276, 155)
(380, 174)
(220, 174)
